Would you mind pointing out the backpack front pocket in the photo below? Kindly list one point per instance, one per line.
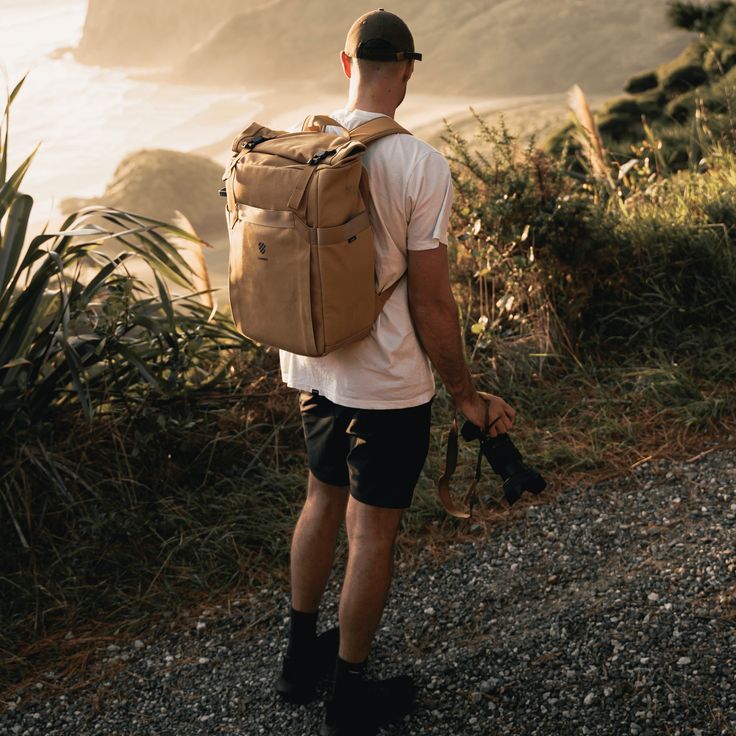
(347, 275)
(270, 280)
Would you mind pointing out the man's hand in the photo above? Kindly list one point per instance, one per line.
(486, 410)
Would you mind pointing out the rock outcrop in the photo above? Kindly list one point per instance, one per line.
(158, 183)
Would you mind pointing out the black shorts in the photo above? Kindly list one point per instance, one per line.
(379, 453)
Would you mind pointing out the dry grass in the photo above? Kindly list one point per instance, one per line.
(590, 439)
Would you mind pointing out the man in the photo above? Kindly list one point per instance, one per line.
(366, 408)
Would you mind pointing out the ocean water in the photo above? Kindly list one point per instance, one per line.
(87, 118)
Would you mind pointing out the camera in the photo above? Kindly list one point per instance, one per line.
(507, 462)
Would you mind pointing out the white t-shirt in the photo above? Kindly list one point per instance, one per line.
(411, 188)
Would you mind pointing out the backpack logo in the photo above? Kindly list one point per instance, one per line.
(262, 248)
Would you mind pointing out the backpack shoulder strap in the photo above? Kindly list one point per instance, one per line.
(321, 122)
(375, 129)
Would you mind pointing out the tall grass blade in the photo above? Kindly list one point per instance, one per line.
(6, 132)
(194, 253)
(100, 278)
(76, 370)
(695, 154)
(133, 359)
(663, 168)
(14, 93)
(12, 240)
(10, 188)
(590, 138)
(4, 153)
(165, 298)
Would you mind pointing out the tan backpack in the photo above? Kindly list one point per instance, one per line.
(302, 263)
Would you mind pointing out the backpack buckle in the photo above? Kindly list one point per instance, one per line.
(253, 142)
(319, 157)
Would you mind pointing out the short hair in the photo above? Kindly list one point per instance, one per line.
(372, 68)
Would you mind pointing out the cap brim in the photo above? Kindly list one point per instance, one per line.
(376, 55)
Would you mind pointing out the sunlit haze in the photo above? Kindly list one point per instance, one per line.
(138, 77)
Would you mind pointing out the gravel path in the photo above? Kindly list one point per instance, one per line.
(611, 610)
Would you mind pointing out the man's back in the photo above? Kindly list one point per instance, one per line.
(411, 192)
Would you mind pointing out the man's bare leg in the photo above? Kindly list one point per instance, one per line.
(371, 539)
(314, 542)
(312, 556)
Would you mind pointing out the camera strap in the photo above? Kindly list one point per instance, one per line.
(443, 485)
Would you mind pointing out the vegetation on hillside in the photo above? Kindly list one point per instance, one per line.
(150, 456)
(94, 365)
(685, 101)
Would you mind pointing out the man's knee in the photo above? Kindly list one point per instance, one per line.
(372, 526)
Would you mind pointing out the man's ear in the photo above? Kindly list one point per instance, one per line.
(346, 67)
(409, 70)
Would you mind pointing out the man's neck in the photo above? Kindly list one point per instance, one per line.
(360, 100)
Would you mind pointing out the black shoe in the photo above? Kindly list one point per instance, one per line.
(377, 703)
(299, 676)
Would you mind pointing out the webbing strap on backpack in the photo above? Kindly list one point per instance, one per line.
(375, 129)
(365, 133)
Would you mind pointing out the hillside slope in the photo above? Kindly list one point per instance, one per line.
(687, 101)
(477, 47)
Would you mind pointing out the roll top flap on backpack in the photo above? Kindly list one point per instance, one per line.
(302, 260)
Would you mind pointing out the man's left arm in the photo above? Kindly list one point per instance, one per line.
(431, 301)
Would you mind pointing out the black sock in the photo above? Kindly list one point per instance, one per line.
(348, 678)
(302, 633)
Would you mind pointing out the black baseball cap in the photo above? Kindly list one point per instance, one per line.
(380, 36)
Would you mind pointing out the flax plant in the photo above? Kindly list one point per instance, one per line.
(77, 327)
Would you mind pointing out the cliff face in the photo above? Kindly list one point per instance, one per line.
(478, 47)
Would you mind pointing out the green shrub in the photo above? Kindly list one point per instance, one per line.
(683, 79)
(697, 16)
(642, 83)
(684, 72)
(620, 119)
(622, 106)
(683, 108)
(76, 328)
(726, 32)
(620, 128)
(89, 354)
(646, 271)
(669, 269)
(561, 140)
(652, 103)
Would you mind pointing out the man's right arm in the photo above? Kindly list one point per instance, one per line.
(435, 316)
